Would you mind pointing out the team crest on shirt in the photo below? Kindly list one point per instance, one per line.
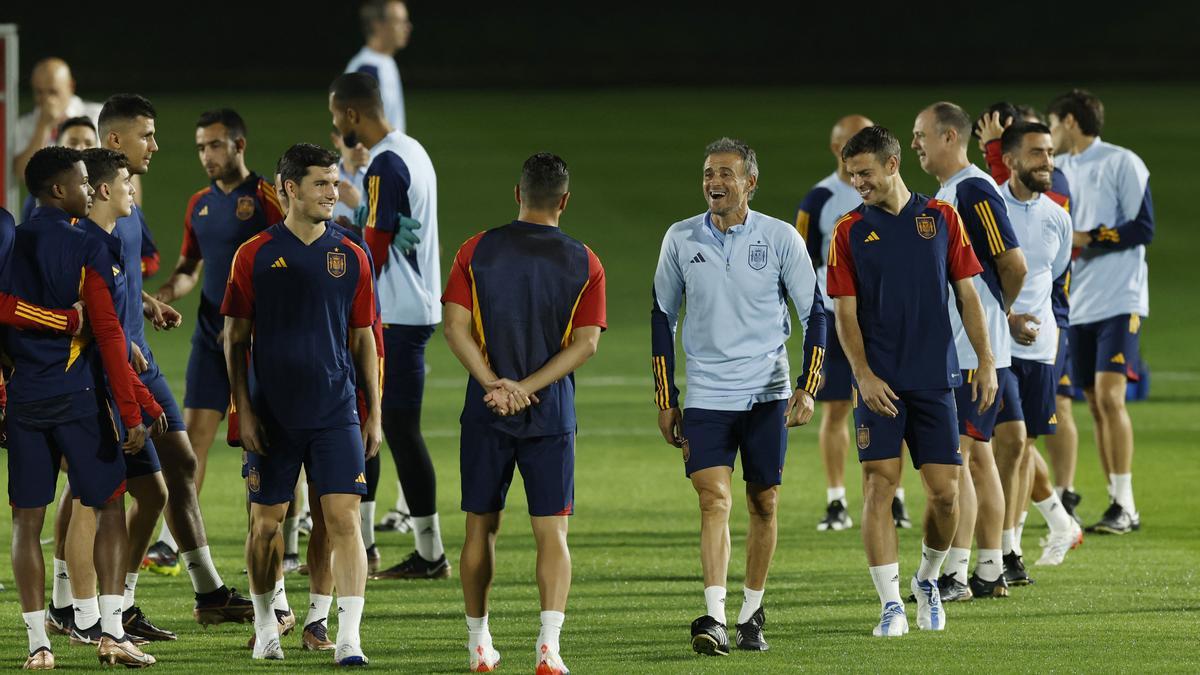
(926, 227)
(335, 262)
(863, 437)
(253, 480)
(245, 208)
(758, 256)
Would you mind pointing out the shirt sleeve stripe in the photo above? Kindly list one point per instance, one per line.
(372, 199)
(478, 317)
(995, 243)
(45, 317)
(814, 370)
(40, 320)
(802, 221)
(658, 364)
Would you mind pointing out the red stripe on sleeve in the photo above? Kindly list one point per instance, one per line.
(239, 291)
(110, 339)
(841, 278)
(591, 308)
(190, 248)
(362, 310)
(458, 286)
(20, 314)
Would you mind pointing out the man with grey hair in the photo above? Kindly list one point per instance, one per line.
(731, 262)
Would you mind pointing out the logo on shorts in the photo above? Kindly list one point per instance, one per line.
(361, 479)
(336, 264)
(863, 437)
(758, 256)
(245, 208)
(926, 227)
(253, 480)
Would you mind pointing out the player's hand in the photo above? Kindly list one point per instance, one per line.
(138, 359)
(670, 423)
(879, 396)
(984, 386)
(254, 438)
(159, 427)
(406, 233)
(1022, 332)
(221, 338)
(372, 435)
(800, 408)
(508, 397)
(1080, 239)
(82, 318)
(162, 315)
(990, 127)
(135, 439)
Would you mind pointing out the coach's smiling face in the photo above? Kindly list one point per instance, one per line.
(726, 186)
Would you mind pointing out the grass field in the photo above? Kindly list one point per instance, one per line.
(1118, 604)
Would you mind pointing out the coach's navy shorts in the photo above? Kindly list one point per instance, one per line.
(1062, 364)
(488, 456)
(1109, 346)
(835, 369)
(714, 437)
(981, 426)
(927, 421)
(42, 433)
(333, 458)
(1035, 387)
(404, 365)
(207, 383)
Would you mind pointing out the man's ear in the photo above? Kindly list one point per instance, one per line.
(562, 201)
(104, 192)
(240, 145)
(517, 194)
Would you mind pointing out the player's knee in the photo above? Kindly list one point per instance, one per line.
(879, 488)
(264, 529)
(835, 415)
(715, 500)
(340, 523)
(943, 498)
(763, 504)
(1110, 402)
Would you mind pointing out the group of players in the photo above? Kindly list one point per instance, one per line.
(939, 322)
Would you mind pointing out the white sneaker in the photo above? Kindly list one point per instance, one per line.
(931, 615)
(550, 663)
(484, 659)
(893, 622)
(1056, 546)
(349, 655)
(268, 649)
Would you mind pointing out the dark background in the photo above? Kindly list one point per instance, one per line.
(171, 46)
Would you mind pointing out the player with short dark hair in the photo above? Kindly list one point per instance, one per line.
(891, 265)
(300, 280)
(524, 309)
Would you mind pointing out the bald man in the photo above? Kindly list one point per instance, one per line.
(54, 102)
(828, 201)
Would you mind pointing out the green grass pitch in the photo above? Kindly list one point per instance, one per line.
(1118, 604)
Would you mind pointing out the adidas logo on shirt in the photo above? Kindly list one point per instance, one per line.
(279, 262)
(698, 258)
(1119, 358)
(872, 237)
(203, 211)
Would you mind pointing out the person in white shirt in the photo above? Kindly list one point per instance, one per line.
(387, 28)
(54, 102)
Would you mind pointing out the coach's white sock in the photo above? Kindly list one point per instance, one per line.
(199, 566)
(165, 536)
(991, 564)
(478, 632)
(714, 599)
(130, 590)
(366, 516)
(834, 494)
(1006, 541)
(1056, 516)
(552, 623)
(751, 601)
(279, 599)
(958, 562)
(900, 493)
(429, 537)
(887, 583)
(318, 608)
(110, 616)
(35, 627)
(61, 595)
(1123, 492)
(291, 535)
(87, 611)
(350, 610)
(931, 562)
(266, 626)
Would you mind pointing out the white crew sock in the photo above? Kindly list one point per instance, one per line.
(1112, 487)
(266, 626)
(429, 537)
(931, 562)
(1123, 492)
(478, 633)
(1058, 490)
(887, 583)
(199, 566)
(958, 562)
(318, 608)
(401, 502)
(714, 598)
(279, 599)
(35, 626)
(110, 616)
(87, 611)
(165, 536)
(130, 590)
(1006, 541)
(835, 494)
(1056, 516)
(900, 493)
(991, 564)
(552, 623)
(291, 535)
(366, 516)
(1018, 531)
(350, 610)
(61, 595)
(751, 601)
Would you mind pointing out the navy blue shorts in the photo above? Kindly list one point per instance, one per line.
(146, 462)
(981, 426)
(927, 422)
(835, 369)
(333, 459)
(1109, 346)
(1035, 387)
(38, 443)
(487, 458)
(404, 365)
(714, 438)
(1062, 364)
(207, 382)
